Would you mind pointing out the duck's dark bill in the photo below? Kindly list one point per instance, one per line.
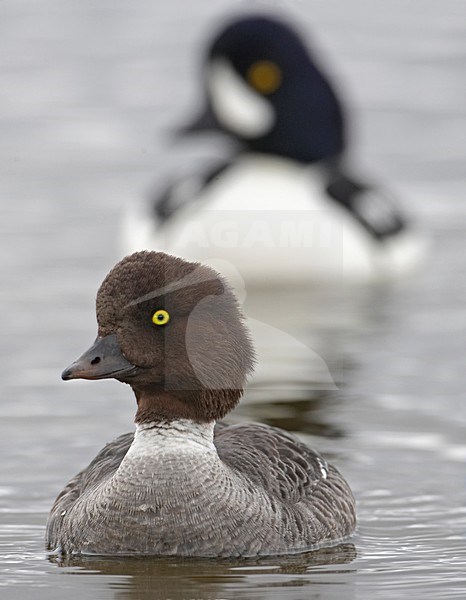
(103, 360)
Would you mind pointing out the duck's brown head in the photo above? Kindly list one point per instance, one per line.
(173, 330)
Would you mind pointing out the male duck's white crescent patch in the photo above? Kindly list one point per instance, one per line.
(237, 107)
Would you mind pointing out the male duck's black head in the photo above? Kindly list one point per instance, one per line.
(264, 88)
(173, 331)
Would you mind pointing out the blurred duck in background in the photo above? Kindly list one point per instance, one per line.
(285, 207)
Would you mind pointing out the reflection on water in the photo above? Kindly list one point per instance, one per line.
(252, 578)
(306, 415)
(372, 377)
(304, 337)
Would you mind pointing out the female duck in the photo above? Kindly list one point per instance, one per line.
(285, 206)
(184, 484)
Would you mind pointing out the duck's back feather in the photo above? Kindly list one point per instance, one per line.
(316, 502)
(272, 459)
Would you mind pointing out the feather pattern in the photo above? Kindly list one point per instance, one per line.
(255, 490)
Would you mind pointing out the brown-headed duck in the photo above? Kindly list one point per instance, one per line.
(185, 484)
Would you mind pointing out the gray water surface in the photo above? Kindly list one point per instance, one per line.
(89, 91)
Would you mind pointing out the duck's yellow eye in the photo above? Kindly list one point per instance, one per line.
(160, 317)
(264, 76)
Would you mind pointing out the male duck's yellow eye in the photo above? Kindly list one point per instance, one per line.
(264, 76)
(160, 317)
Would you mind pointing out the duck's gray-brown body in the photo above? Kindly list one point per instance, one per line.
(179, 489)
(184, 485)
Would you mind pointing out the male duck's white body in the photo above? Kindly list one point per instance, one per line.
(271, 220)
(185, 484)
(285, 206)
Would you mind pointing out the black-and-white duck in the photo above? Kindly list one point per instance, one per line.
(285, 206)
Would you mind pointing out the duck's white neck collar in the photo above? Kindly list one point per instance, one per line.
(180, 431)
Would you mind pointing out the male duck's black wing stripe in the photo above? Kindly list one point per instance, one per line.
(185, 191)
(101, 468)
(372, 208)
(272, 459)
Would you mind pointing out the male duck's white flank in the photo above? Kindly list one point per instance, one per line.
(185, 484)
(286, 205)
